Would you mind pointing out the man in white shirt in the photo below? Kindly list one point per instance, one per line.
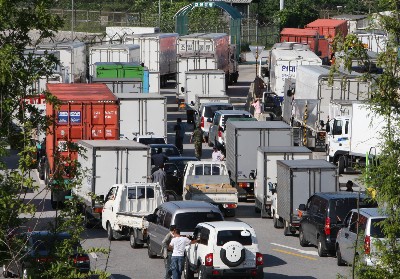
(217, 155)
(178, 244)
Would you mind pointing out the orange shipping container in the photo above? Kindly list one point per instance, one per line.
(329, 28)
(87, 112)
(298, 35)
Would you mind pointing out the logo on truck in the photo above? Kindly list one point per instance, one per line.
(291, 69)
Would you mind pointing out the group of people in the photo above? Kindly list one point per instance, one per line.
(173, 250)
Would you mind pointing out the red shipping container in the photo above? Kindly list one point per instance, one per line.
(329, 28)
(87, 112)
(298, 35)
(326, 50)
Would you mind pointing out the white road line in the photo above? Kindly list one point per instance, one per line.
(313, 253)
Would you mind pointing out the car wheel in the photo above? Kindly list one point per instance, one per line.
(150, 252)
(187, 272)
(321, 250)
(340, 261)
(302, 240)
(202, 273)
(110, 233)
(133, 241)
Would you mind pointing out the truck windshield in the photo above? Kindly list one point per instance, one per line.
(187, 222)
(209, 169)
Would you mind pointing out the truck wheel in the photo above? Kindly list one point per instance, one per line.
(133, 240)
(341, 164)
(187, 272)
(286, 228)
(275, 220)
(302, 240)
(86, 220)
(150, 252)
(110, 233)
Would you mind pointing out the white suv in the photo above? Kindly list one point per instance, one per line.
(224, 249)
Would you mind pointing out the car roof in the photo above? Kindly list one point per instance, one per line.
(48, 233)
(340, 195)
(371, 212)
(234, 112)
(200, 206)
(229, 225)
(183, 158)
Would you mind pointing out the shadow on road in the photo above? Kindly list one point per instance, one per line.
(271, 261)
(280, 276)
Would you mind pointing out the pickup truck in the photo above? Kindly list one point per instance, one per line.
(209, 181)
(125, 209)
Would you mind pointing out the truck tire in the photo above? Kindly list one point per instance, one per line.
(133, 240)
(341, 164)
(187, 272)
(110, 232)
(54, 204)
(150, 252)
(286, 228)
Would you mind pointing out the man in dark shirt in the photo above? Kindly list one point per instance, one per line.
(158, 158)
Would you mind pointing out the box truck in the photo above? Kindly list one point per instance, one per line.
(86, 112)
(266, 175)
(142, 114)
(241, 143)
(297, 180)
(73, 57)
(157, 53)
(108, 162)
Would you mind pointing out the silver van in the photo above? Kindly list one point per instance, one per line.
(185, 215)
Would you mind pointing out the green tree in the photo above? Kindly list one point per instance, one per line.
(297, 14)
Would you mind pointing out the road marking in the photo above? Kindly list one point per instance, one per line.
(312, 253)
(294, 254)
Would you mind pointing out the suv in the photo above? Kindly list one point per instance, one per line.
(224, 249)
(205, 115)
(367, 221)
(185, 215)
(322, 217)
(216, 133)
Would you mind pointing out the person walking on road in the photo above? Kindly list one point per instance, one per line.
(217, 155)
(166, 253)
(197, 139)
(257, 108)
(177, 245)
(160, 176)
(179, 129)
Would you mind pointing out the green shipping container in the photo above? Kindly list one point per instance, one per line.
(119, 70)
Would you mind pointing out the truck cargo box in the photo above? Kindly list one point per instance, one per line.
(87, 111)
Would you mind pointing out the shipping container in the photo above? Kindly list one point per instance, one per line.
(72, 60)
(267, 156)
(109, 162)
(142, 114)
(241, 143)
(112, 53)
(117, 33)
(297, 180)
(157, 52)
(204, 43)
(373, 41)
(86, 112)
(303, 36)
(329, 28)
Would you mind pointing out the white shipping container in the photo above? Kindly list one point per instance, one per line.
(72, 60)
(204, 82)
(157, 51)
(115, 33)
(142, 114)
(113, 53)
(373, 41)
(203, 43)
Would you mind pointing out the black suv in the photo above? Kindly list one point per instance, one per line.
(323, 216)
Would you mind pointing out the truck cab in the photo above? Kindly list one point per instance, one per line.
(339, 137)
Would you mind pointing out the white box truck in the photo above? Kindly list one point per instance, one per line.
(142, 114)
(297, 180)
(107, 162)
(241, 143)
(112, 53)
(117, 33)
(202, 83)
(266, 176)
(72, 60)
(284, 60)
(309, 105)
(157, 52)
(355, 138)
(373, 40)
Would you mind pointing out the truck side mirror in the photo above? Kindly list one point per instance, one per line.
(302, 207)
(252, 174)
(182, 89)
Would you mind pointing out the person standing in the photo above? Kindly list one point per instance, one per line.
(160, 176)
(257, 108)
(179, 129)
(166, 253)
(217, 155)
(178, 244)
(349, 186)
(197, 139)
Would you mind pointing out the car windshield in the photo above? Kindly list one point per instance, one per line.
(151, 140)
(187, 222)
(233, 235)
(169, 151)
(210, 110)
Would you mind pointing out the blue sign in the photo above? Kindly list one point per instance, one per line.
(63, 117)
(75, 117)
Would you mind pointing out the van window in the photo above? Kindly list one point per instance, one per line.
(376, 228)
(187, 221)
(233, 235)
(216, 119)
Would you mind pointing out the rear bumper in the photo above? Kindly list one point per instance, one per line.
(256, 272)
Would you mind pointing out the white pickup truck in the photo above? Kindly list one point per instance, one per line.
(209, 181)
(125, 209)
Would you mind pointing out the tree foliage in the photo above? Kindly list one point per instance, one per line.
(297, 14)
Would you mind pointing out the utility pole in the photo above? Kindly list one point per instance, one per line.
(281, 4)
(72, 20)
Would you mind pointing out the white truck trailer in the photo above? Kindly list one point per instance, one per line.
(209, 181)
(308, 108)
(142, 114)
(157, 53)
(125, 209)
(107, 162)
(202, 83)
(241, 143)
(266, 176)
(297, 180)
(72, 60)
(284, 60)
(112, 53)
(355, 138)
